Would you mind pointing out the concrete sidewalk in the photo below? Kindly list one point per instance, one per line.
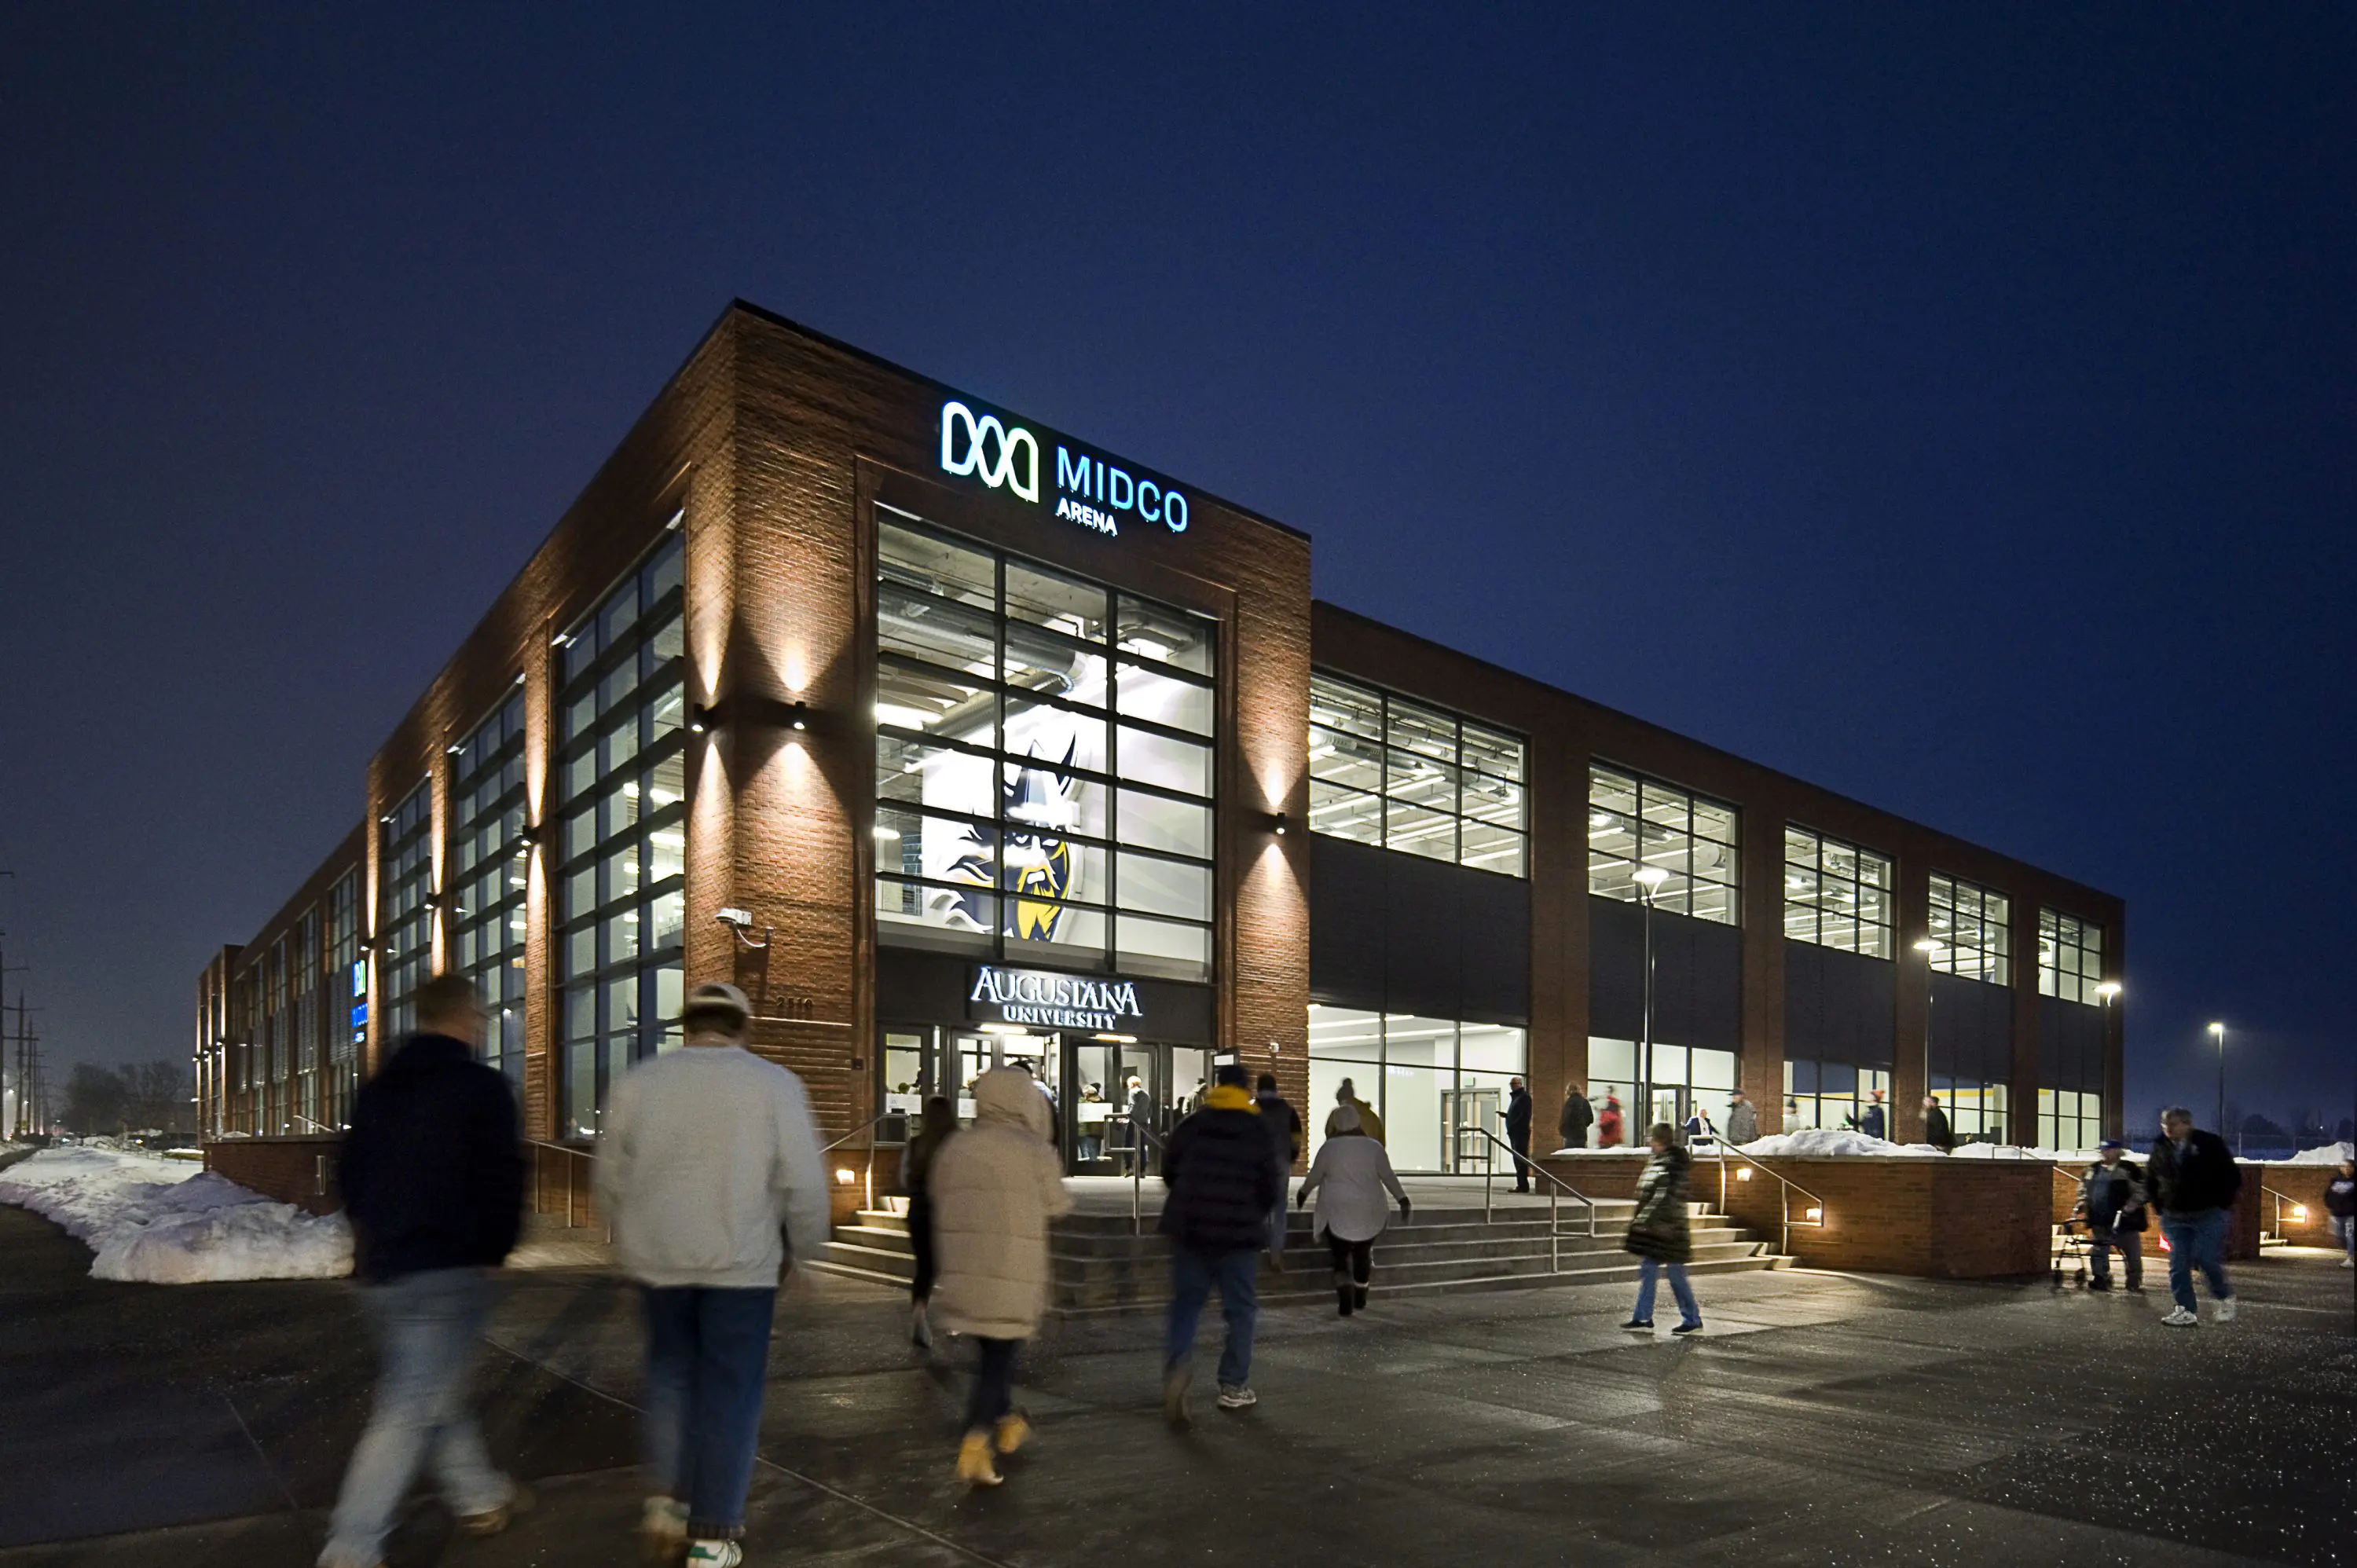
(1821, 1419)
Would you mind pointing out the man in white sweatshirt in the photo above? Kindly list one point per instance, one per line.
(708, 1153)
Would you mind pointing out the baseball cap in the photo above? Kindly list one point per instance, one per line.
(719, 998)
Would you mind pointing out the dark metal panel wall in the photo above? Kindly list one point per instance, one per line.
(1697, 977)
(1405, 934)
(1838, 1006)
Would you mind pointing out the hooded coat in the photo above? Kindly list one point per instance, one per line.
(994, 1187)
(1222, 1178)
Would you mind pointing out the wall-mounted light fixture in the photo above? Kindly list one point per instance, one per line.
(741, 921)
(1278, 824)
(798, 715)
(701, 719)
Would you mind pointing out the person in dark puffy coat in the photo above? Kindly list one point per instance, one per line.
(1223, 1181)
(2341, 1204)
(1577, 1117)
(1660, 1235)
(2194, 1182)
(1518, 1132)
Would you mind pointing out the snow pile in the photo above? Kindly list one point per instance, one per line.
(155, 1221)
(2329, 1155)
(1817, 1140)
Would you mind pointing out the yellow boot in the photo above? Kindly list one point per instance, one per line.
(1013, 1431)
(974, 1465)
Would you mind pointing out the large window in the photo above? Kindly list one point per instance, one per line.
(1634, 821)
(348, 989)
(405, 873)
(621, 839)
(491, 864)
(1822, 1093)
(2069, 957)
(2070, 1120)
(1422, 1076)
(1973, 929)
(1388, 770)
(1976, 1107)
(310, 1039)
(1683, 1079)
(1044, 762)
(1837, 895)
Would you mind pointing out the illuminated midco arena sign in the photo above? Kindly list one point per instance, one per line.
(1042, 999)
(1089, 491)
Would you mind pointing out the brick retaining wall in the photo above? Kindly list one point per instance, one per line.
(300, 1171)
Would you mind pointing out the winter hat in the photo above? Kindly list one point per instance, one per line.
(1344, 1120)
(1343, 1094)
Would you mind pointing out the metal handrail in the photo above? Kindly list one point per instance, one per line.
(867, 1190)
(2281, 1198)
(1137, 1172)
(1556, 1187)
(1787, 1187)
(536, 1145)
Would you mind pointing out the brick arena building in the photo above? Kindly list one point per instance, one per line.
(953, 738)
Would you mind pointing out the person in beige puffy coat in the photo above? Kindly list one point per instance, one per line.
(994, 1187)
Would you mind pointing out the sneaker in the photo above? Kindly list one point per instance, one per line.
(663, 1530)
(1687, 1329)
(715, 1554)
(2226, 1310)
(1645, 1324)
(2181, 1318)
(2349, 1262)
(1238, 1397)
(491, 1521)
(1174, 1396)
(1013, 1431)
(974, 1465)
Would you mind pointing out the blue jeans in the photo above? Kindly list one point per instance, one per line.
(2196, 1241)
(994, 1383)
(1192, 1275)
(708, 1366)
(1649, 1271)
(2344, 1230)
(426, 1326)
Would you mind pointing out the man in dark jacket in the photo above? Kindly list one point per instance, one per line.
(1872, 1121)
(1283, 1124)
(1222, 1182)
(432, 1175)
(2340, 1206)
(1936, 1132)
(1518, 1131)
(2111, 1199)
(1577, 1117)
(2194, 1181)
(1742, 1121)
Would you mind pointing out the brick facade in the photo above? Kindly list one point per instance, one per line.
(300, 1171)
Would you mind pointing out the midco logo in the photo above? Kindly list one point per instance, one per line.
(1088, 491)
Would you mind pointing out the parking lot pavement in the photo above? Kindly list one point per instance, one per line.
(1822, 1418)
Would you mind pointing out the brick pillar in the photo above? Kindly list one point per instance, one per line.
(2023, 1092)
(1907, 1077)
(1761, 1067)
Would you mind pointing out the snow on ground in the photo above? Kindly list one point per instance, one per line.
(2329, 1155)
(1829, 1141)
(155, 1221)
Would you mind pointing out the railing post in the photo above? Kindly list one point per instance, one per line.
(568, 1193)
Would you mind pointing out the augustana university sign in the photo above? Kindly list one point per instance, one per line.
(1006, 456)
(1046, 1000)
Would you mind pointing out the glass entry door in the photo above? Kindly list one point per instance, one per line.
(1468, 1114)
(1118, 1087)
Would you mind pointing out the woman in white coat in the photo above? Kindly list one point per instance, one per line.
(1349, 1176)
(993, 1188)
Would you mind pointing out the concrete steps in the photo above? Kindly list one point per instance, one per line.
(1101, 1264)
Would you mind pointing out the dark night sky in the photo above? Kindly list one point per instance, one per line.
(1952, 411)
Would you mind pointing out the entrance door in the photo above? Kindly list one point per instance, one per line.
(1117, 1086)
(1467, 1114)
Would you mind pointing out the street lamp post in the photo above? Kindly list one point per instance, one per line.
(2106, 993)
(1649, 883)
(1929, 948)
(2218, 1032)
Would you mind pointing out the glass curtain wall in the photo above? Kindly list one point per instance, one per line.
(347, 981)
(1400, 774)
(1411, 1070)
(2069, 1119)
(1837, 894)
(1633, 821)
(310, 1036)
(1684, 1080)
(1044, 762)
(278, 1031)
(621, 840)
(1974, 928)
(405, 919)
(1819, 1093)
(491, 865)
(2069, 957)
